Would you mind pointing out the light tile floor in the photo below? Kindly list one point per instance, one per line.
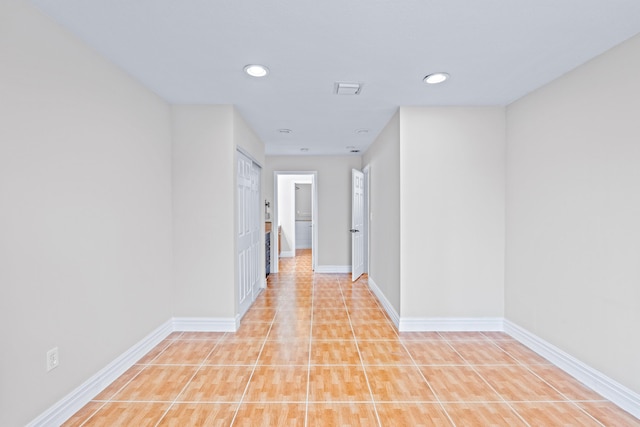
(318, 350)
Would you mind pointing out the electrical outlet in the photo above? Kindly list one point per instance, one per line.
(52, 359)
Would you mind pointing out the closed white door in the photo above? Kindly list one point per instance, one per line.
(357, 224)
(248, 238)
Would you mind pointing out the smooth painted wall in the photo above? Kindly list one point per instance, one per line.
(573, 213)
(205, 141)
(452, 211)
(334, 200)
(85, 212)
(383, 160)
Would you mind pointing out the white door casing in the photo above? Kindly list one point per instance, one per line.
(357, 224)
(248, 237)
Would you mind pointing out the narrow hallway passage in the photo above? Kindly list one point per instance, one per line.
(318, 350)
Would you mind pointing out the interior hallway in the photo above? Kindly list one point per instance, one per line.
(318, 350)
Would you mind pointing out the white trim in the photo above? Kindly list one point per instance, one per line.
(74, 401)
(206, 324)
(325, 269)
(592, 378)
(287, 254)
(395, 318)
(450, 324)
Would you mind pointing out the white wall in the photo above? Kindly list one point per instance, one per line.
(85, 212)
(334, 200)
(452, 204)
(203, 194)
(383, 158)
(205, 139)
(573, 229)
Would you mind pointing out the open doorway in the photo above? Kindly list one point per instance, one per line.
(295, 214)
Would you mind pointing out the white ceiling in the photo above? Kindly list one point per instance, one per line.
(194, 51)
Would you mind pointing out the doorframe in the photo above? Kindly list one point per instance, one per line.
(314, 217)
(367, 226)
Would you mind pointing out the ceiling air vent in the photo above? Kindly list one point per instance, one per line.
(348, 88)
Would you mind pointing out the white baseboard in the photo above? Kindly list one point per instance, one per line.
(287, 254)
(206, 324)
(450, 324)
(596, 380)
(327, 269)
(74, 401)
(385, 302)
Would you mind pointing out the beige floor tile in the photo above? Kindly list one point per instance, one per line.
(235, 352)
(217, 384)
(565, 383)
(464, 336)
(516, 383)
(188, 352)
(290, 331)
(278, 383)
(338, 384)
(128, 414)
(149, 357)
(458, 384)
(420, 336)
(398, 383)
(260, 315)
(270, 414)
(433, 353)
(482, 353)
(342, 414)
(157, 383)
(374, 331)
(285, 352)
(367, 315)
(212, 336)
(384, 353)
(609, 414)
(330, 315)
(521, 353)
(554, 414)
(484, 414)
(332, 331)
(254, 330)
(199, 414)
(83, 414)
(498, 336)
(334, 302)
(119, 383)
(412, 414)
(356, 304)
(344, 352)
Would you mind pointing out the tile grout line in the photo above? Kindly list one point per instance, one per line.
(364, 370)
(415, 364)
(487, 382)
(563, 395)
(306, 405)
(255, 365)
(110, 399)
(202, 364)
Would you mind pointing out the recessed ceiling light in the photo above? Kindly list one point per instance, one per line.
(435, 78)
(285, 130)
(362, 131)
(256, 70)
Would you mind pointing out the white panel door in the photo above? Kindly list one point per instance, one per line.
(357, 224)
(248, 238)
